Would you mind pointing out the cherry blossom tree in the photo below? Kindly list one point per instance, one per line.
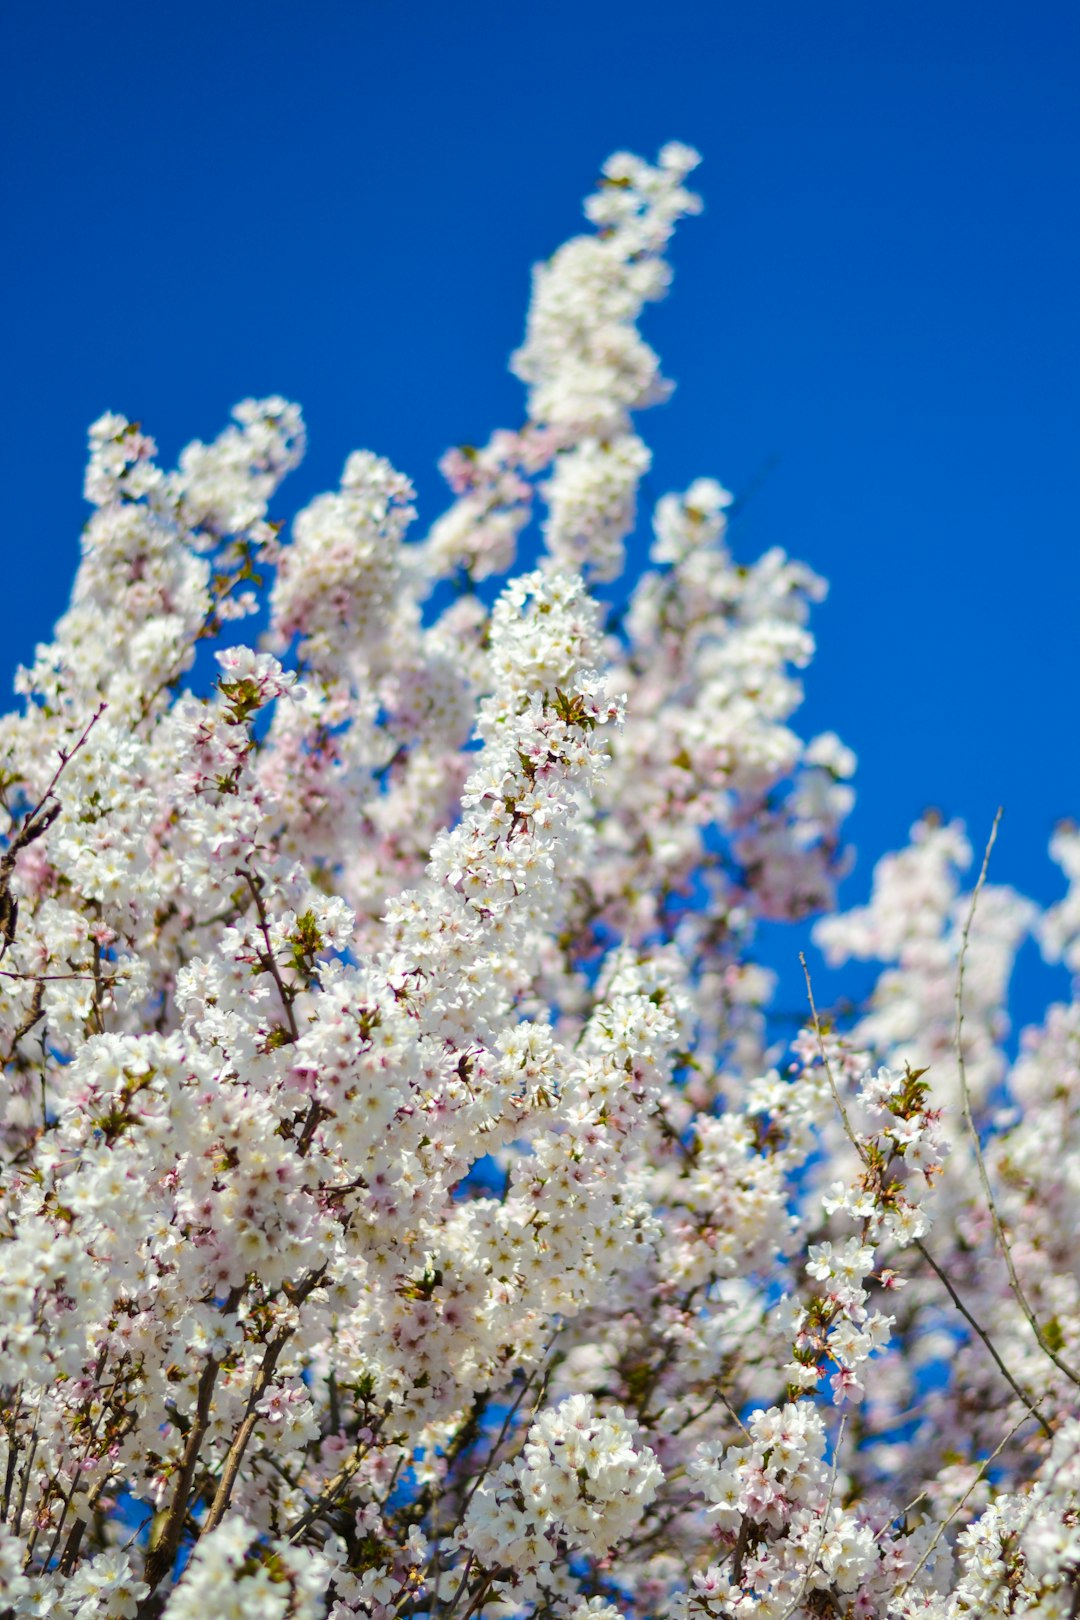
(409, 1205)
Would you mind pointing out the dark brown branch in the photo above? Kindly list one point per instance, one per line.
(34, 823)
(163, 1553)
(267, 959)
(235, 1454)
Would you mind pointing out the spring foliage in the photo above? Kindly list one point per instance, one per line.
(409, 1207)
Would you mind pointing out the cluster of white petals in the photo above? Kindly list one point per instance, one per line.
(412, 1206)
(579, 1485)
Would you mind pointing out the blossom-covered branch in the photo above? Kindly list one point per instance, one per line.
(410, 1205)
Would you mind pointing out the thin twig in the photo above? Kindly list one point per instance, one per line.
(33, 824)
(854, 1140)
(787, 1615)
(78, 1529)
(902, 1515)
(509, 1418)
(269, 961)
(34, 1014)
(916, 1242)
(945, 1523)
(1031, 1404)
(460, 1585)
(732, 1412)
(24, 1480)
(481, 1596)
(67, 754)
(965, 1092)
(327, 1495)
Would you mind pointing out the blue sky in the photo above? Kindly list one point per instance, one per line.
(341, 203)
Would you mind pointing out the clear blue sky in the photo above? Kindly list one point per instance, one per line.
(341, 201)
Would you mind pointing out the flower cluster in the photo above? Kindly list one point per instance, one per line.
(580, 1485)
